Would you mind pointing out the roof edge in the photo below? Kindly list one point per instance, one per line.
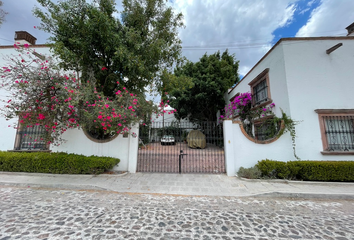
(291, 39)
(30, 46)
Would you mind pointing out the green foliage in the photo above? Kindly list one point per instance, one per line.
(170, 81)
(2, 13)
(308, 170)
(61, 163)
(289, 126)
(326, 171)
(250, 173)
(56, 101)
(273, 169)
(211, 77)
(132, 50)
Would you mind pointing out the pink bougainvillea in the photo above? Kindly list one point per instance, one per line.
(60, 100)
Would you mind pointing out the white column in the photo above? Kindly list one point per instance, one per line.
(133, 149)
(229, 142)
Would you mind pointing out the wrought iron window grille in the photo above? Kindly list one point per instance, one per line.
(31, 138)
(260, 93)
(266, 130)
(339, 132)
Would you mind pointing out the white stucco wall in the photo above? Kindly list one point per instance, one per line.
(241, 152)
(8, 134)
(317, 80)
(278, 87)
(123, 148)
(302, 78)
(168, 117)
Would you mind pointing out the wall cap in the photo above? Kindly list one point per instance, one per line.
(271, 140)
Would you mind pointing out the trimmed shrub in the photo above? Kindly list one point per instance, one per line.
(62, 163)
(250, 173)
(326, 171)
(273, 169)
(308, 170)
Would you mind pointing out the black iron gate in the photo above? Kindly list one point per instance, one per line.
(181, 147)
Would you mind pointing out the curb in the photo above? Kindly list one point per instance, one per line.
(54, 186)
(321, 196)
(57, 174)
(297, 182)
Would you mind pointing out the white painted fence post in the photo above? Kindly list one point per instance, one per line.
(229, 148)
(133, 149)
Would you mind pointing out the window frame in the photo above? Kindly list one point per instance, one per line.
(332, 113)
(263, 76)
(18, 142)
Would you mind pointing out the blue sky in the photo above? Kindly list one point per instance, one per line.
(301, 16)
(247, 28)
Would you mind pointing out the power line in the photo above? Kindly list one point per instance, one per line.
(238, 45)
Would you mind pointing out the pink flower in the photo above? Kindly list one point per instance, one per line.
(26, 45)
(106, 105)
(41, 116)
(100, 116)
(104, 68)
(130, 107)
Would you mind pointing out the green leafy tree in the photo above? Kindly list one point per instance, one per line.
(211, 77)
(2, 13)
(132, 49)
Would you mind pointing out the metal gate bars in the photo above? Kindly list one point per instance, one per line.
(181, 147)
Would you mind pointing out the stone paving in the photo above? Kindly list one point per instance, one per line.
(39, 213)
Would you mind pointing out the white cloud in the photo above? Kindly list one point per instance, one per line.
(330, 18)
(245, 27)
(310, 3)
(288, 15)
(304, 11)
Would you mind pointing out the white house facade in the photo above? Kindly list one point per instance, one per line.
(77, 141)
(311, 80)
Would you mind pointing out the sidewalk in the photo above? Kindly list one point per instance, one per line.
(182, 184)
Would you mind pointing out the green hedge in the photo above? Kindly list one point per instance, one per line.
(308, 170)
(62, 163)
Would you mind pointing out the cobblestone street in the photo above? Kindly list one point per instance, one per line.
(36, 213)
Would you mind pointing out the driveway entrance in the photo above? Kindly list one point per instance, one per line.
(171, 147)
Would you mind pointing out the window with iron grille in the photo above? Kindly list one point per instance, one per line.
(260, 92)
(260, 88)
(337, 130)
(31, 138)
